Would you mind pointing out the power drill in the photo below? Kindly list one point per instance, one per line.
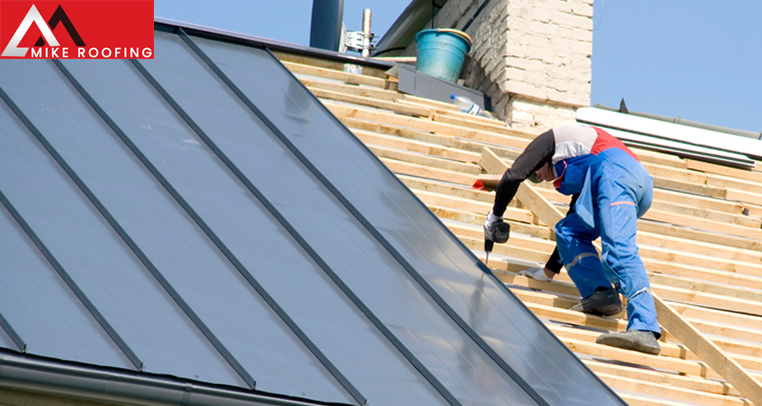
(499, 234)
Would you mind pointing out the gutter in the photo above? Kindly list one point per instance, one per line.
(26, 373)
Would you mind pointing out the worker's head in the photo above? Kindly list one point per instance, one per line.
(544, 174)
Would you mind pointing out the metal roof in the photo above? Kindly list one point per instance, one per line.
(203, 216)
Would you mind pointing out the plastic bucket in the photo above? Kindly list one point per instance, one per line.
(441, 52)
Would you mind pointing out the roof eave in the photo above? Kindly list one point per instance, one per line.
(29, 373)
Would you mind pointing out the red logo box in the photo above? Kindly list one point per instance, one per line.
(61, 29)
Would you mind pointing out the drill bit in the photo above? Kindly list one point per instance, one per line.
(487, 249)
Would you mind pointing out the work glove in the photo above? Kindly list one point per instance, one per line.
(536, 273)
(489, 226)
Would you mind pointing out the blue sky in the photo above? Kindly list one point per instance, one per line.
(700, 60)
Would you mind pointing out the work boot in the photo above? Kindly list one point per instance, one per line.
(601, 303)
(643, 341)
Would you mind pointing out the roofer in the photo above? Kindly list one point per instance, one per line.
(611, 190)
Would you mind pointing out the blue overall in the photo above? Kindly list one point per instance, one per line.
(615, 190)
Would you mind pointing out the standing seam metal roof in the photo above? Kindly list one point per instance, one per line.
(202, 215)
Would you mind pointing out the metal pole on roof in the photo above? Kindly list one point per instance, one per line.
(366, 32)
(325, 31)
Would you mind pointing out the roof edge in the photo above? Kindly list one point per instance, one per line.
(165, 24)
(26, 372)
(689, 135)
(402, 32)
(691, 123)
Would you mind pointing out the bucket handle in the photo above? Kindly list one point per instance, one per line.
(456, 32)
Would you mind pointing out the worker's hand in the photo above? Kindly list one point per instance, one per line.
(489, 226)
(536, 273)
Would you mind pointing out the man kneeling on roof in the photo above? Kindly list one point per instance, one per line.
(611, 190)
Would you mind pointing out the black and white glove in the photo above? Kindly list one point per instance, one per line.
(536, 273)
(489, 226)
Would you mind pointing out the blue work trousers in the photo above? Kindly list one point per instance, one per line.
(621, 191)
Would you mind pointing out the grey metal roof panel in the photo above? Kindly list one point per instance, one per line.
(314, 212)
(77, 235)
(408, 226)
(33, 188)
(180, 251)
(232, 214)
(301, 117)
(340, 330)
(202, 215)
(30, 290)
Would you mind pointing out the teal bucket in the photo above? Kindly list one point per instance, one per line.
(441, 52)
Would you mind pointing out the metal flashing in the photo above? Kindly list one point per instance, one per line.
(699, 141)
(422, 85)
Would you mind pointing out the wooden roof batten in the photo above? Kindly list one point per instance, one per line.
(701, 242)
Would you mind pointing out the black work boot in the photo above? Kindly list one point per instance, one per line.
(601, 303)
(643, 341)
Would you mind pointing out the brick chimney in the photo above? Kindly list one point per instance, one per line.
(531, 57)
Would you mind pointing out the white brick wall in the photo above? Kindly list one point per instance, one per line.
(531, 57)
